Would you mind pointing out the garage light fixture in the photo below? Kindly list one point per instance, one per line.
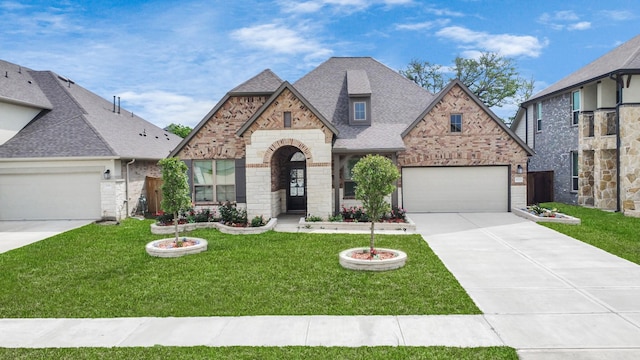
(107, 174)
(519, 170)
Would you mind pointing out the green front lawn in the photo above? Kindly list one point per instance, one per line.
(104, 271)
(609, 231)
(265, 353)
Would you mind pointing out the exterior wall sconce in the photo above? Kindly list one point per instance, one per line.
(107, 174)
(518, 170)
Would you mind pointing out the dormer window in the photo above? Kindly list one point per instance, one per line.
(359, 90)
(359, 111)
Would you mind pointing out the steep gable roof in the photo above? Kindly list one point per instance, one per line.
(288, 86)
(82, 124)
(624, 58)
(472, 96)
(265, 82)
(395, 102)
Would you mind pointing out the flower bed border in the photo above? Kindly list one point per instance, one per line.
(563, 219)
(153, 250)
(408, 227)
(348, 262)
(169, 229)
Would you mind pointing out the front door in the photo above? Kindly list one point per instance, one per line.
(297, 192)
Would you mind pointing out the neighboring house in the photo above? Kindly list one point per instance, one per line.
(585, 130)
(66, 153)
(277, 147)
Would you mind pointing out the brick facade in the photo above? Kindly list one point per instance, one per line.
(217, 139)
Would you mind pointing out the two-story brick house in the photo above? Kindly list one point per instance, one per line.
(585, 131)
(276, 147)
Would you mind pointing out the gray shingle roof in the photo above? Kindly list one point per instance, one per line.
(17, 86)
(265, 82)
(358, 83)
(624, 57)
(396, 102)
(82, 124)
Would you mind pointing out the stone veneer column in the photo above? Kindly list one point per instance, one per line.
(630, 157)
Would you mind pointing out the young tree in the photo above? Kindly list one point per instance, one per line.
(375, 178)
(175, 188)
(180, 130)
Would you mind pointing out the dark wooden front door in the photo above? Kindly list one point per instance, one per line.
(297, 190)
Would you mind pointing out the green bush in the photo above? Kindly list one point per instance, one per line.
(229, 214)
(312, 218)
(258, 221)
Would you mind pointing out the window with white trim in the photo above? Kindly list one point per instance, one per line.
(538, 116)
(574, 171)
(214, 181)
(575, 107)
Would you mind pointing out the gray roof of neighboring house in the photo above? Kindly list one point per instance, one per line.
(17, 86)
(264, 83)
(396, 102)
(625, 57)
(82, 124)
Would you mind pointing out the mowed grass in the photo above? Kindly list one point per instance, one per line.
(265, 353)
(103, 271)
(613, 232)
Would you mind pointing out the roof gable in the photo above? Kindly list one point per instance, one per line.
(19, 87)
(286, 86)
(625, 57)
(265, 82)
(446, 90)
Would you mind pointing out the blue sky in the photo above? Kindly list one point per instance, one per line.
(171, 61)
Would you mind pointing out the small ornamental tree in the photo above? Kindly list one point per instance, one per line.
(375, 178)
(175, 188)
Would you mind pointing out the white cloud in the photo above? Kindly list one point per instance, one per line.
(583, 25)
(348, 6)
(280, 39)
(618, 15)
(163, 108)
(565, 19)
(426, 25)
(504, 44)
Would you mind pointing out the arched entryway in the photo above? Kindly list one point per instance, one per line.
(289, 179)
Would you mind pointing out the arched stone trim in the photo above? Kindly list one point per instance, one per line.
(287, 142)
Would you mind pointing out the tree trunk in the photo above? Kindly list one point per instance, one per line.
(371, 241)
(175, 223)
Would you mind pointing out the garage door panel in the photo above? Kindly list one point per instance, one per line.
(50, 196)
(455, 189)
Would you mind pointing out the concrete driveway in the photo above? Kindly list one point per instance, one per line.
(546, 294)
(15, 234)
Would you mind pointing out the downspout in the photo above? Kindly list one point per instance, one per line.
(618, 80)
(127, 186)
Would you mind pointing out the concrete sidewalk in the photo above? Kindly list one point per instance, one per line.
(544, 293)
(349, 331)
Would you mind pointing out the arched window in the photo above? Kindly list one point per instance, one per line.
(299, 156)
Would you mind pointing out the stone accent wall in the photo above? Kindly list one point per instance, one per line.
(630, 158)
(481, 142)
(302, 118)
(553, 146)
(586, 179)
(605, 192)
(217, 139)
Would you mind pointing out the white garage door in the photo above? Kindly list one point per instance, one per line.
(50, 195)
(455, 189)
